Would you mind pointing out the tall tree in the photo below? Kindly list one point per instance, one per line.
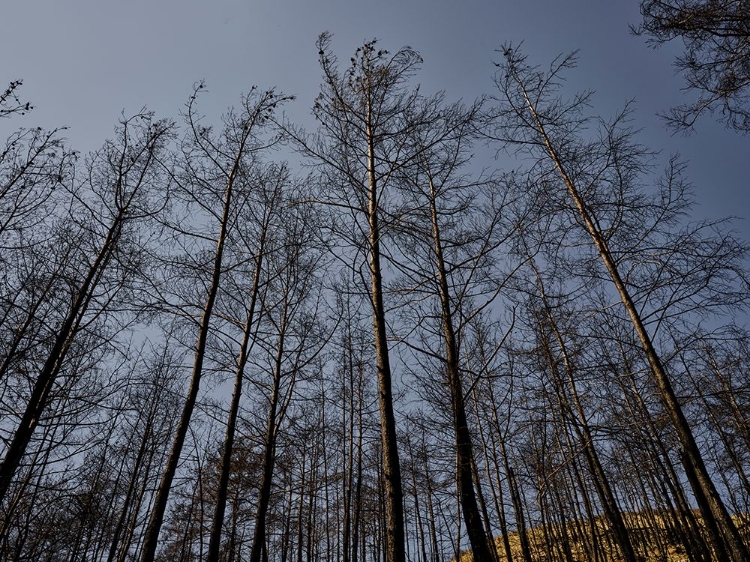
(261, 221)
(294, 337)
(597, 192)
(117, 195)
(215, 170)
(448, 274)
(364, 114)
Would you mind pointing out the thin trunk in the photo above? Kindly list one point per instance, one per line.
(357, 507)
(480, 545)
(395, 539)
(417, 512)
(286, 538)
(326, 498)
(518, 509)
(269, 453)
(348, 450)
(431, 510)
(497, 494)
(485, 513)
(226, 453)
(301, 506)
(497, 490)
(312, 504)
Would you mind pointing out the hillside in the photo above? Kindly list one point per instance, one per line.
(654, 542)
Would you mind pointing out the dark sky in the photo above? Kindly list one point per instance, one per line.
(85, 61)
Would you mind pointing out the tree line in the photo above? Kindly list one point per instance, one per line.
(395, 352)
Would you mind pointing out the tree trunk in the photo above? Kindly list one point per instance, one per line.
(480, 545)
(226, 452)
(395, 539)
(269, 452)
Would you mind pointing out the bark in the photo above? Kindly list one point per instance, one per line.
(395, 538)
(480, 544)
(226, 452)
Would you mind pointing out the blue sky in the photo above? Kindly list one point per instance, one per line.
(85, 61)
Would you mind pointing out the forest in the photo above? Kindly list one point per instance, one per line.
(248, 339)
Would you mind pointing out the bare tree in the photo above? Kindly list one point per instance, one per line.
(448, 239)
(295, 336)
(593, 186)
(364, 116)
(270, 185)
(213, 174)
(716, 59)
(117, 194)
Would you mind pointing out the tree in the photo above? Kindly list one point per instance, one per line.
(561, 359)
(364, 117)
(716, 60)
(215, 171)
(258, 219)
(34, 165)
(293, 338)
(118, 194)
(592, 185)
(447, 240)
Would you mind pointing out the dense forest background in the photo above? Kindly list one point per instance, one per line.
(414, 327)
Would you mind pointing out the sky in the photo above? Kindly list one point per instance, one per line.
(84, 62)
